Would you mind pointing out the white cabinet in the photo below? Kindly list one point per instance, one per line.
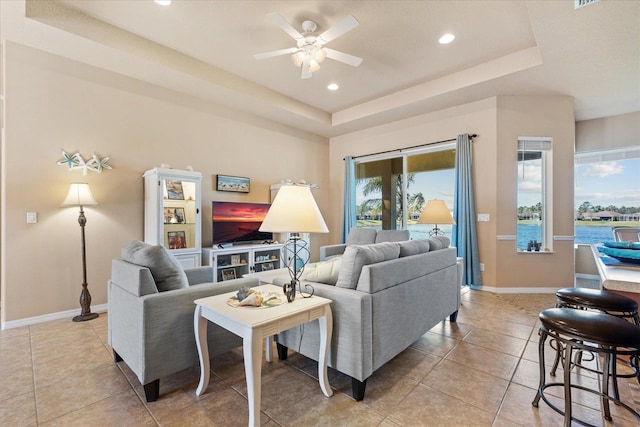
(236, 261)
(172, 209)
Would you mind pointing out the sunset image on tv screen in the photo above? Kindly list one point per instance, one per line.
(238, 222)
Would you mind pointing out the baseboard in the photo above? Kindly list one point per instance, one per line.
(588, 276)
(516, 290)
(102, 308)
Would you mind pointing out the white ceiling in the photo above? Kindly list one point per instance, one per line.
(205, 49)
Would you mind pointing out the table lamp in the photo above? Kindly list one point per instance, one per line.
(294, 211)
(80, 195)
(436, 212)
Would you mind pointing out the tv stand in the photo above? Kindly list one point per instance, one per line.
(237, 260)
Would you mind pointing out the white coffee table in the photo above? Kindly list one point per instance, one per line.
(254, 325)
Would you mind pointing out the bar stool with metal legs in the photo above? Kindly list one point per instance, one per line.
(600, 333)
(606, 302)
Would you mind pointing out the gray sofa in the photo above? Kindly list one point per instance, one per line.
(386, 297)
(152, 330)
(363, 236)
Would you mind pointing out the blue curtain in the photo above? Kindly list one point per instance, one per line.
(466, 239)
(349, 204)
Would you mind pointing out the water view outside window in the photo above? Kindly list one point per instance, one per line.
(607, 193)
(379, 190)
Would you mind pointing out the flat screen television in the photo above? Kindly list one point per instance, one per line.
(235, 222)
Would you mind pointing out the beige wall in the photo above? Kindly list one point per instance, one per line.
(477, 117)
(498, 122)
(53, 104)
(543, 117)
(608, 132)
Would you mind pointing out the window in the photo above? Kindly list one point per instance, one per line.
(607, 193)
(534, 229)
(392, 191)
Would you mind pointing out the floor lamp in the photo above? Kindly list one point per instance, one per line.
(294, 211)
(436, 212)
(80, 195)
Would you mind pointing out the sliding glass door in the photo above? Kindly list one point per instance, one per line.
(391, 191)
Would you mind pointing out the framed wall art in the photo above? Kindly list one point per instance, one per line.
(236, 184)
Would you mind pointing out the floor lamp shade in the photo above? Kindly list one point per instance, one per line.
(80, 195)
(436, 212)
(294, 210)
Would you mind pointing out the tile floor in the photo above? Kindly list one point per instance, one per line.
(481, 371)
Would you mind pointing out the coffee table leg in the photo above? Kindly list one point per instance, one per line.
(326, 329)
(200, 328)
(252, 350)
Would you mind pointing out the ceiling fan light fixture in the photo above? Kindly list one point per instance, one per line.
(298, 58)
(320, 54)
(313, 65)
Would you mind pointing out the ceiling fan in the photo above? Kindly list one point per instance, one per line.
(311, 50)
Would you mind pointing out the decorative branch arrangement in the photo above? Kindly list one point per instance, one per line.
(76, 161)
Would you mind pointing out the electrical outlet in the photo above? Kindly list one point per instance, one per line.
(32, 217)
(481, 267)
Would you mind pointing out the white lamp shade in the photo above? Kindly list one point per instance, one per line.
(79, 195)
(294, 210)
(436, 212)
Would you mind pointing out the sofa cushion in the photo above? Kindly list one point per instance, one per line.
(414, 247)
(357, 256)
(392, 236)
(165, 268)
(438, 242)
(323, 272)
(361, 236)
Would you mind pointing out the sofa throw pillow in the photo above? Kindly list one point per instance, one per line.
(165, 268)
(323, 272)
(414, 247)
(357, 256)
(438, 242)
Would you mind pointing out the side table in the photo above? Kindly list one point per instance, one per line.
(254, 325)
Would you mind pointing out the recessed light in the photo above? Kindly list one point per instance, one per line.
(447, 38)
(163, 2)
(333, 86)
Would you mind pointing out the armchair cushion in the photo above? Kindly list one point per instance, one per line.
(439, 242)
(355, 257)
(167, 271)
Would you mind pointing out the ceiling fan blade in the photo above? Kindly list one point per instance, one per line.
(354, 61)
(282, 23)
(347, 24)
(306, 74)
(275, 53)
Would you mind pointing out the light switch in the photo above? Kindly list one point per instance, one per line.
(32, 217)
(483, 217)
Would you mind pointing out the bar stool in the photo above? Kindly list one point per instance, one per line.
(600, 333)
(606, 302)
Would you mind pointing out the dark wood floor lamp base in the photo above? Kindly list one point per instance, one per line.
(85, 296)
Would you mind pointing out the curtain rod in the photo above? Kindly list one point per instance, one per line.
(399, 150)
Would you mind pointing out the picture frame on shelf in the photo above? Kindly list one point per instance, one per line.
(237, 184)
(177, 239)
(267, 266)
(228, 274)
(174, 216)
(235, 259)
(174, 190)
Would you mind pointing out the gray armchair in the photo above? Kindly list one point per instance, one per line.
(363, 236)
(152, 331)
